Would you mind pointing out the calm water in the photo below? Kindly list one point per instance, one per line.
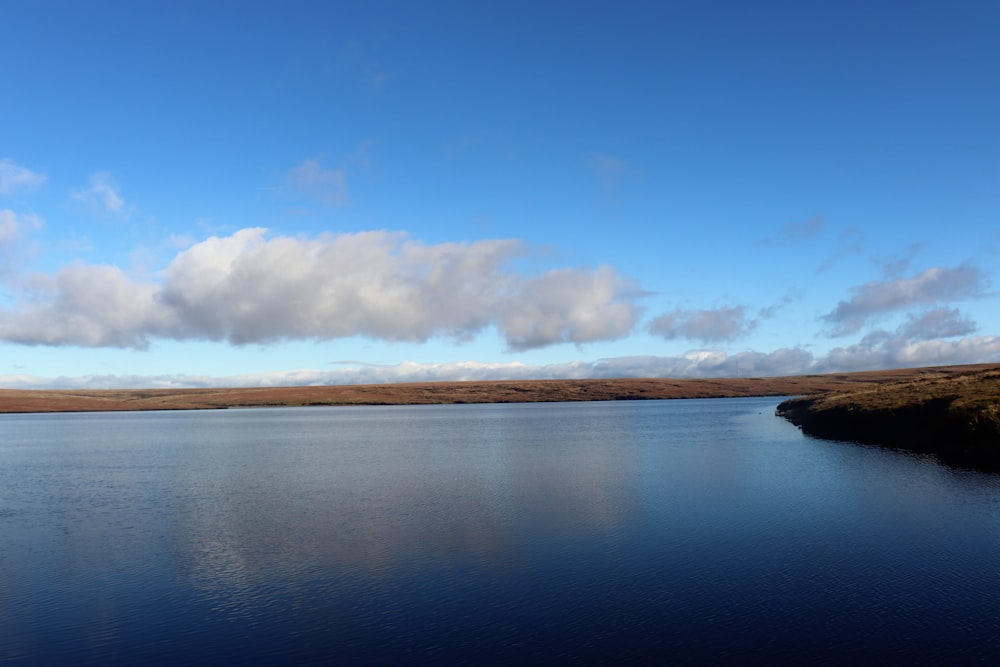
(682, 531)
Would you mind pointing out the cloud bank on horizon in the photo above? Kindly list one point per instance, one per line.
(337, 205)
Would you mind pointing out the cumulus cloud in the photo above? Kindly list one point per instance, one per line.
(711, 325)
(896, 352)
(922, 340)
(569, 306)
(936, 323)
(329, 186)
(91, 306)
(873, 299)
(15, 179)
(102, 195)
(251, 288)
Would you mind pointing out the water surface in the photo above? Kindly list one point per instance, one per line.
(683, 531)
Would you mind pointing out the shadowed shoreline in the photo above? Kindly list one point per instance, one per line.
(955, 418)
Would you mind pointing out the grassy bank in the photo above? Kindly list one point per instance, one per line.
(955, 418)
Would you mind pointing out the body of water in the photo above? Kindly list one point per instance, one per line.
(696, 531)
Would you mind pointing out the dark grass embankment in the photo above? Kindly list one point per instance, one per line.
(955, 418)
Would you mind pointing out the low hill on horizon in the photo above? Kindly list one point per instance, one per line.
(496, 391)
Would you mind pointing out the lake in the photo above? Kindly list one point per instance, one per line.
(686, 531)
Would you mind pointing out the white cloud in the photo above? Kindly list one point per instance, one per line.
(709, 325)
(895, 352)
(876, 351)
(90, 306)
(571, 306)
(920, 341)
(937, 323)
(15, 179)
(103, 195)
(935, 285)
(249, 288)
(693, 364)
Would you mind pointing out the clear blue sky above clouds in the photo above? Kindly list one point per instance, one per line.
(239, 193)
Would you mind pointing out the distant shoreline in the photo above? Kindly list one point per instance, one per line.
(426, 393)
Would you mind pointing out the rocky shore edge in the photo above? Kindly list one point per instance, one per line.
(955, 419)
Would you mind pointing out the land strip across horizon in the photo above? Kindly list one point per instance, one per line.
(426, 393)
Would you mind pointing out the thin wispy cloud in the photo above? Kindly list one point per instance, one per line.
(12, 229)
(797, 231)
(8, 227)
(770, 311)
(16, 179)
(875, 299)
(328, 186)
(102, 196)
(367, 66)
(609, 170)
(849, 242)
(252, 288)
(897, 265)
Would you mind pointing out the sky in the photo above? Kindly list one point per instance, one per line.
(268, 193)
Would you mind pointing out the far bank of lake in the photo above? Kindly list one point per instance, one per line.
(432, 393)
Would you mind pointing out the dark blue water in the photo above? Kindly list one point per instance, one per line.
(705, 531)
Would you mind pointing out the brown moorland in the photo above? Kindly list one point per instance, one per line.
(521, 391)
(954, 417)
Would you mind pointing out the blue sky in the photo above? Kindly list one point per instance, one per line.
(221, 193)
